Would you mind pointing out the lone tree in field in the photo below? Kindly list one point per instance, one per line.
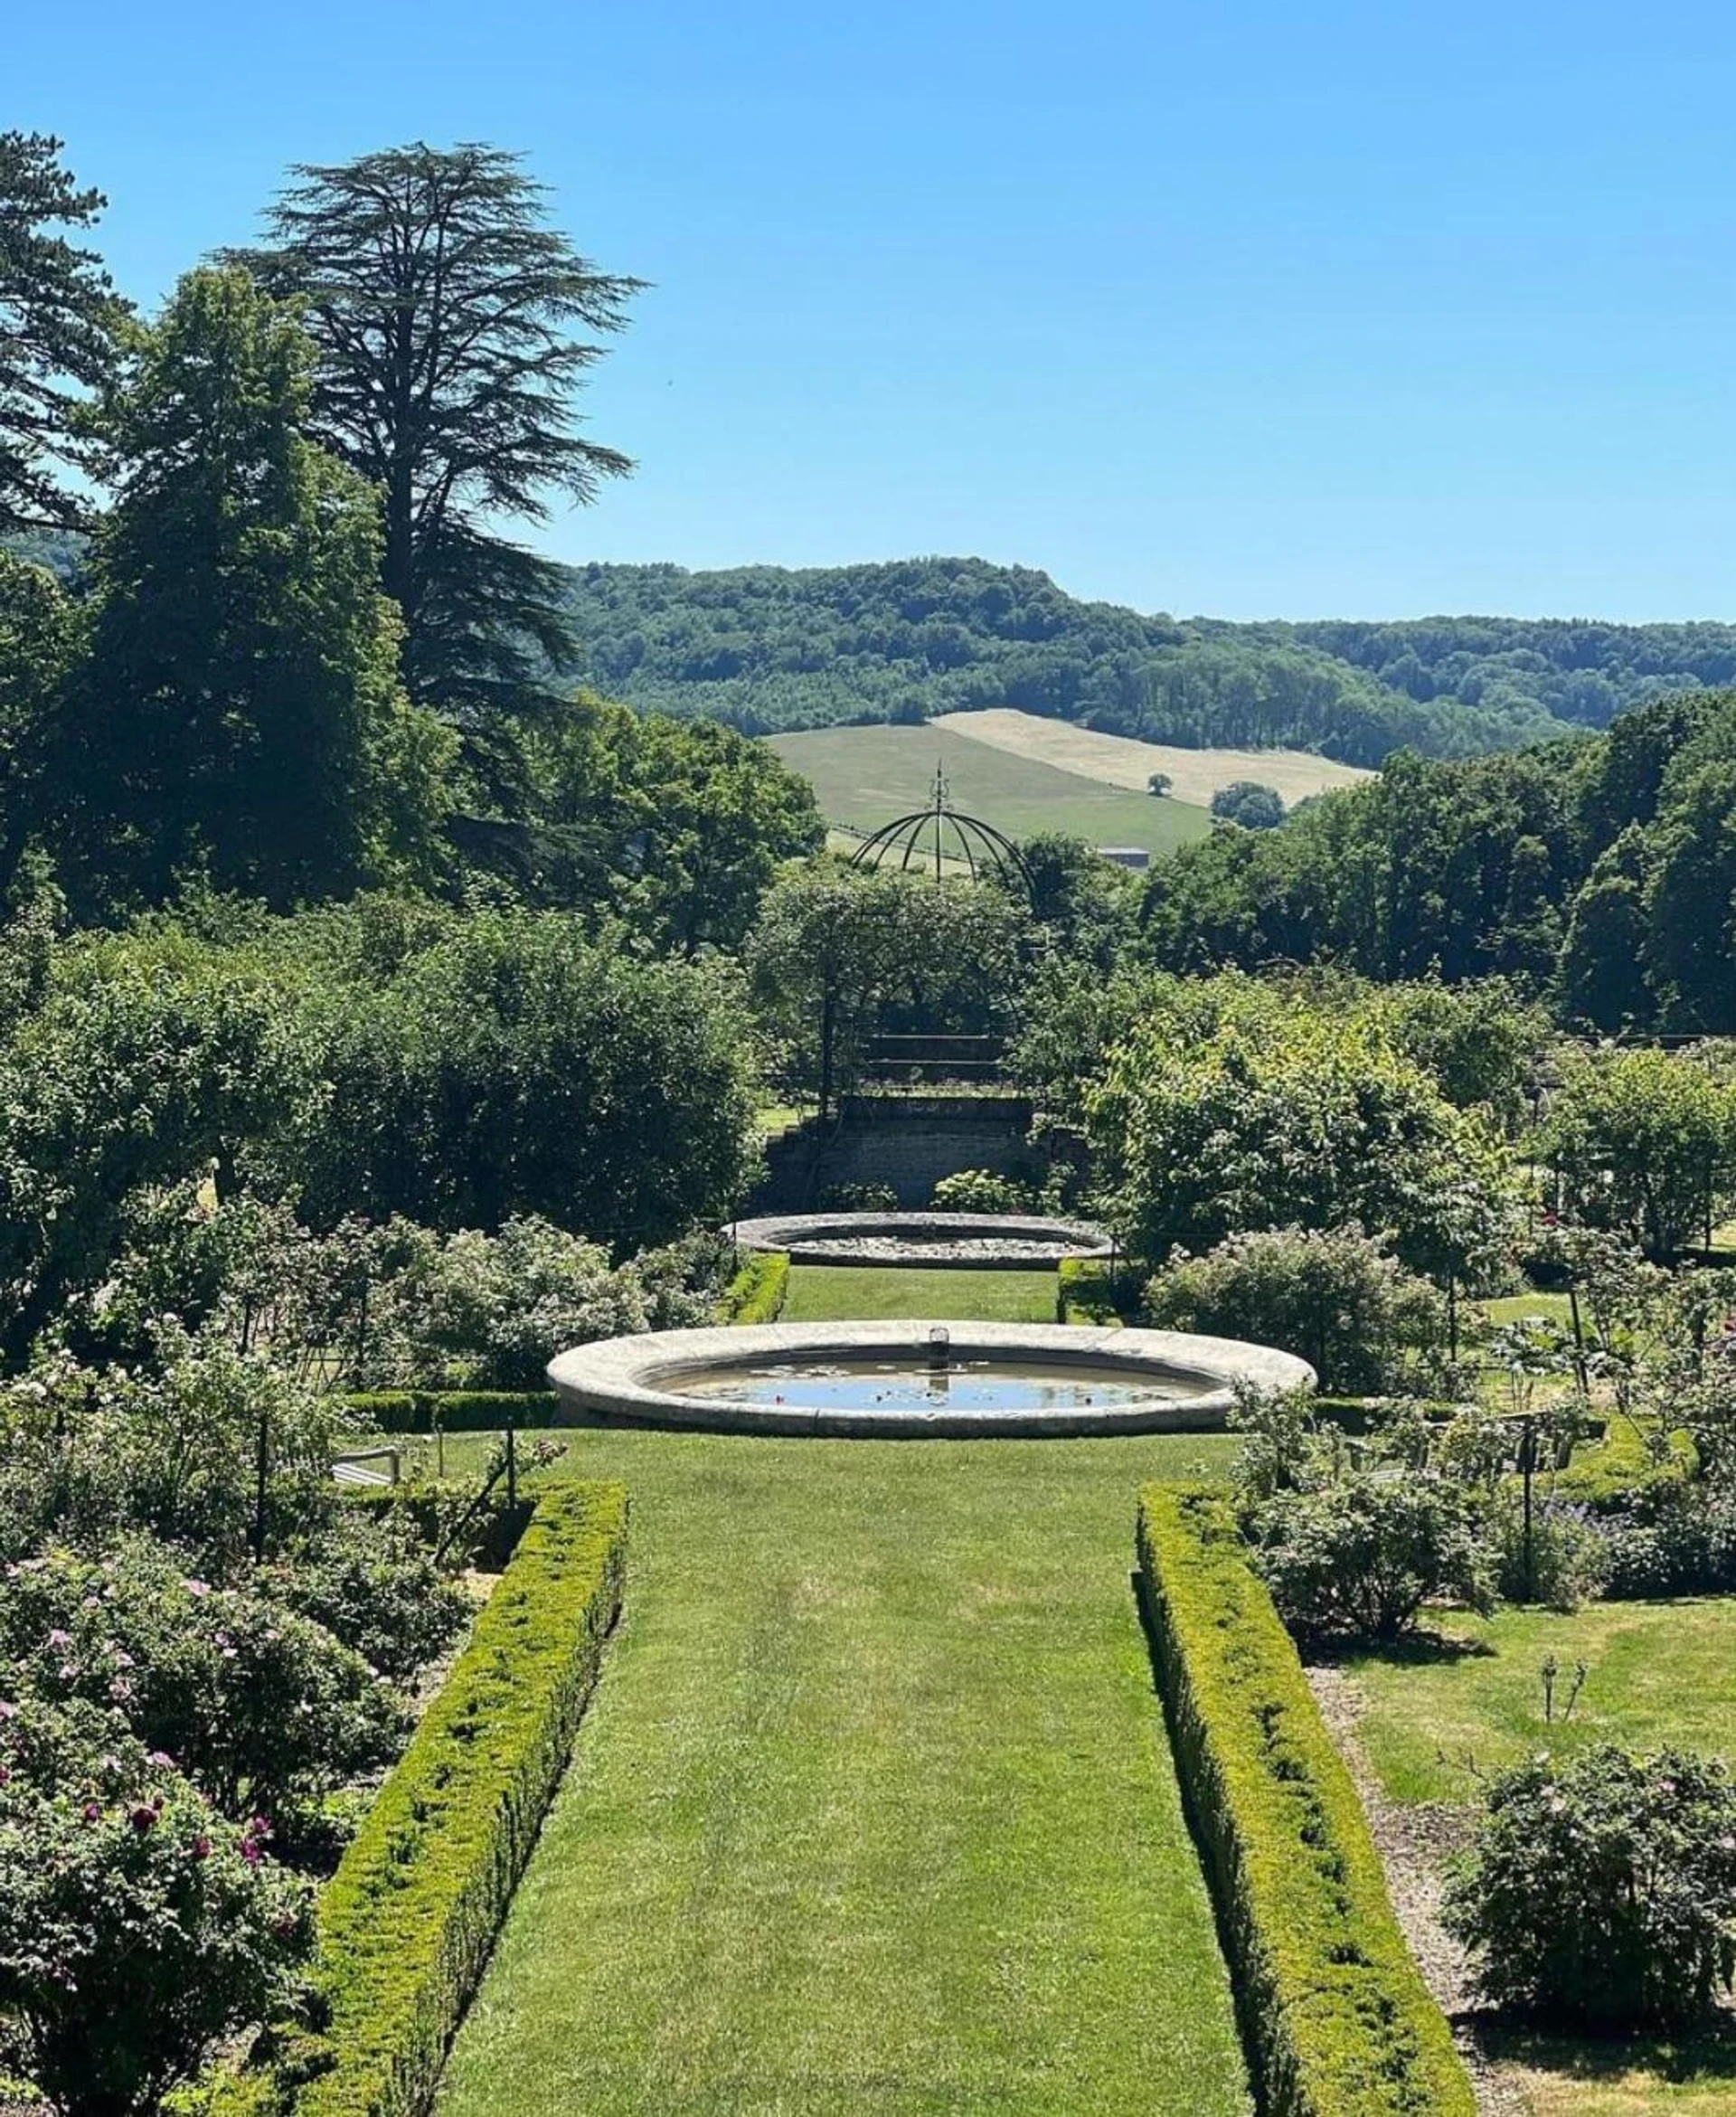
(455, 329)
(58, 314)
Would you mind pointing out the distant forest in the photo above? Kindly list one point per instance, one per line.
(768, 649)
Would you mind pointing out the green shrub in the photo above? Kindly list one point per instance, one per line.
(262, 1707)
(758, 1290)
(1357, 1558)
(859, 1198)
(139, 1927)
(408, 1920)
(982, 1190)
(1602, 1892)
(1086, 1293)
(1340, 2022)
(454, 1411)
(1335, 1296)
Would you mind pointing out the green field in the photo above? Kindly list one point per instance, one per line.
(865, 777)
(874, 1812)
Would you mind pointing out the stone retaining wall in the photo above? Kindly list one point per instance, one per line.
(906, 1142)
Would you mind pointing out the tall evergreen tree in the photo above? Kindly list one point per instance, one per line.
(455, 329)
(58, 314)
(239, 712)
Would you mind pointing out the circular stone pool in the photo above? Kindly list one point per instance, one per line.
(909, 1379)
(984, 1240)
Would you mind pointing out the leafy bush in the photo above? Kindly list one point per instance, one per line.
(138, 1929)
(406, 1922)
(489, 1312)
(1602, 1892)
(375, 1585)
(1359, 1557)
(1679, 1538)
(982, 1190)
(758, 1292)
(1563, 1563)
(1230, 1106)
(262, 1707)
(1340, 2022)
(88, 1453)
(1248, 803)
(859, 1198)
(1335, 1296)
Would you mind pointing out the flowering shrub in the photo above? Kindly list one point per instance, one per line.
(1336, 1297)
(86, 1452)
(1358, 1558)
(262, 1707)
(1678, 1538)
(374, 1584)
(138, 1929)
(477, 1311)
(1563, 1564)
(1602, 1892)
(983, 1190)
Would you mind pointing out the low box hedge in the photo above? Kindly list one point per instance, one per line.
(408, 1920)
(758, 1290)
(1085, 1292)
(454, 1411)
(1335, 2012)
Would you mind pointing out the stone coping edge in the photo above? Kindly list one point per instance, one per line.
(636, 1379)
(831, 1238)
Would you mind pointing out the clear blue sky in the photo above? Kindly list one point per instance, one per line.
(1254, 308)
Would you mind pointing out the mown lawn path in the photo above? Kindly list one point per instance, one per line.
(873, 1811)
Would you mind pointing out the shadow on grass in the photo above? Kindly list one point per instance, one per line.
(1418, 1650)
(1708, 2056)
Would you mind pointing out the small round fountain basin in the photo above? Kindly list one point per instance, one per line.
(904, 1378)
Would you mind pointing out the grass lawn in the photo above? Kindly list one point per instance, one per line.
(820, 1292)
(875, 1810)
(1511, 1307)
(865, 777)
(1656, 1673)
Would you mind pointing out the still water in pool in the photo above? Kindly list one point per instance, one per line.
(965, 1385)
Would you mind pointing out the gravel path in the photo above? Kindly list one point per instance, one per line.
(1415, 1843)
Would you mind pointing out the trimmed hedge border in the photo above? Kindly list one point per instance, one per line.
(1335, 2010)
(409, 1919)
(455, 1411)
(1085, 1294)
(758, 1292)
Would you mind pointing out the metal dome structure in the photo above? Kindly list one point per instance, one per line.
(940, 833)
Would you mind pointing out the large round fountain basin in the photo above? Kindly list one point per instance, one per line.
(983, 1240)
(901, 1378)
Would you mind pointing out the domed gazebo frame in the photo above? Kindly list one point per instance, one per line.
(914, 839)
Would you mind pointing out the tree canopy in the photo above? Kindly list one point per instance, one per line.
(455, 327)
(239, 714)
(58, 315)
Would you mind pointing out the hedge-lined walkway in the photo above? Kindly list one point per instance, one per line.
(873, 1811)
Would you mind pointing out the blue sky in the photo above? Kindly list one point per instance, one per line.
(1252, 308)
